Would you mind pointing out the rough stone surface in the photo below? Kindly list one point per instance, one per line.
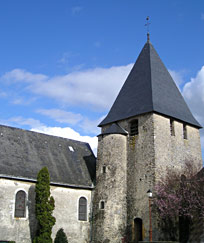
(175, 150)
(141, 171)
(109, 223)
(22, 230)
(137, 161)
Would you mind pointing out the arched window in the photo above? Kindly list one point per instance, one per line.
(82, 209)
(20, 205)
(134, 127)
(102, 205)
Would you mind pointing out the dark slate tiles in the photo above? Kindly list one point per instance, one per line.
(24, 153)
(149, 88)
(114, 129)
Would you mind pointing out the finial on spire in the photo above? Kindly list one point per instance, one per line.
(147, 25)
(148, 37)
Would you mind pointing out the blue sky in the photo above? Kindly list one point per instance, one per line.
(63, 62)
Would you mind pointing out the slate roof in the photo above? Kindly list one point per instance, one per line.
(114, 129)
(200, 174)
(23, 153)
(149, 88)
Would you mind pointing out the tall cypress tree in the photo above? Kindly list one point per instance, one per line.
(44, 206)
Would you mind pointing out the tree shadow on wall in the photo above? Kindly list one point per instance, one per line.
(31, 212)
(169, 228)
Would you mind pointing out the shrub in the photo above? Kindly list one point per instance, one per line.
(61, 237)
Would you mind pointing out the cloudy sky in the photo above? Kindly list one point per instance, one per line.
(63, 62)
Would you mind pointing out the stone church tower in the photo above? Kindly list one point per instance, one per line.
(148, 128)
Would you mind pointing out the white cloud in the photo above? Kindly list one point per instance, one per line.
(20, 75)
(18, 101)
(22, 101)
(193, 93)
(24, 121)
(68, 132)
(96, 88)
(90, 126)
(61, 116)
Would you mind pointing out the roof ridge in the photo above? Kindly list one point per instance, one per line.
(150, 64)
(41, 133)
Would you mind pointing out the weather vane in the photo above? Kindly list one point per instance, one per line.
(147, 25)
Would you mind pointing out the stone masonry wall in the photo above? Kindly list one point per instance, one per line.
(66, 212)
(148, 155)
(110, 223)
(15, 229)
(140, 174)
(174, 151)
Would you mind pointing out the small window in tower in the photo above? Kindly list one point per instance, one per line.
(134, 127)
(104, 169)
(102, 205)
(172, 130)
(185, 131)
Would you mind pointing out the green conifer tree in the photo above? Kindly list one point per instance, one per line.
(61, 237)
(44, 206)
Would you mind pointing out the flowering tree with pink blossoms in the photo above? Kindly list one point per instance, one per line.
(179, 199)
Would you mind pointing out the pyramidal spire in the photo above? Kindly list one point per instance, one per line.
(149, 88)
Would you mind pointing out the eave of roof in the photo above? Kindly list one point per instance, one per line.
(114, 129)
(10, 177)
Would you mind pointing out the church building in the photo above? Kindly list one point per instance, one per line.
(71, 166)
(148, 129)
